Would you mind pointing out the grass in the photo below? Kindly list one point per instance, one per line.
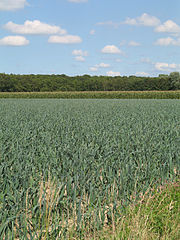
(155, 216)
(96, 94)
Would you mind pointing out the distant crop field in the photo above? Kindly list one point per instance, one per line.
(74, 164)
(96, 95)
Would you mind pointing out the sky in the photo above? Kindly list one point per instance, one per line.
(95, 37)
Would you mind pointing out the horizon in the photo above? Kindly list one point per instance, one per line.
(90, 37)
(90, 75)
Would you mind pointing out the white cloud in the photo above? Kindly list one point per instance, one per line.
(111, 49)
(167, 41)
(168, 27)
(67, 39)
(34, 27)
(93, 69)
(113, 74)
(167, 67)
(11, 5)
(100, 65)
(164, 41)
(161, 66)
(14, 41)
(145, 20)
(92, 32)
(130, 21)
(80, 58)
(80, 53)
(77, 1)
(108, 23)
(142, 74)
(134, 44)
(148, 20)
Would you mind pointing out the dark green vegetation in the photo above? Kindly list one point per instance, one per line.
(95, 95)
(71, 167)
(51, 83)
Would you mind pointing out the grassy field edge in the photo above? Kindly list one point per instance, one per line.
(155, 216)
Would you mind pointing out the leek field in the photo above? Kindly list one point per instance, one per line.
(71, 167)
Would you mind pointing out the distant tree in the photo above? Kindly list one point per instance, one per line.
(163, 75)
(174, 78)
(36, 83)
(6, 83)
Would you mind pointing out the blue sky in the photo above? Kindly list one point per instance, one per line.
(96, 37)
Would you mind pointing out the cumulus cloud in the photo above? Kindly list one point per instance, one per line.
(77, 1)
(142, 74)
(168, 27)
(98, 66)
(12, 5)
(145, 20)
(102, 65)
(130, 21)
(167, 41)
(167, 67)
(79, 53)
(113, 74)
(108, 23)
(93, 69)
(80, 58)
(148, 20)
(67, 39)
(134, 44)
(34, 27)
(14, 41)
(111, 49)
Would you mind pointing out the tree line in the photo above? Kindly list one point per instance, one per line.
(52, 83)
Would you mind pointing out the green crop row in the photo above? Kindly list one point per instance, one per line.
(68, 165)
(100, 95)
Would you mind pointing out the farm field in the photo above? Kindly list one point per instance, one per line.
(77, 164)
(96, 95)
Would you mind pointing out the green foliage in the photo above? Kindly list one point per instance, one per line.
(155, 216)
(77, 164)
(52, 83)
(175, 80)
